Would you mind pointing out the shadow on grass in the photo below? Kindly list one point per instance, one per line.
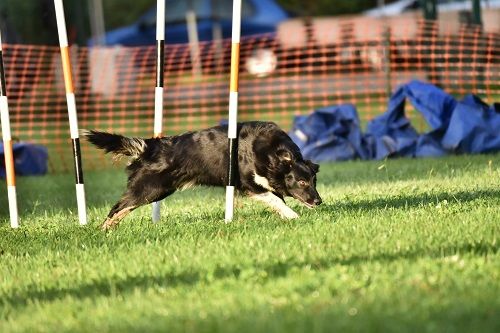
(402, 201)
(110, 287)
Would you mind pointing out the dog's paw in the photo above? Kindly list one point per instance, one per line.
(108, 224)
(289, 214)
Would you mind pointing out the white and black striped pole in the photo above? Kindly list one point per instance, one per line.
(233, 111)
(70, 99)
(160, 64)
(7, 145)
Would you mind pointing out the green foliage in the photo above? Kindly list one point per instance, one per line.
(31, 20)
(35, 22)
(399, 245)
(327, 7)
(119, 12)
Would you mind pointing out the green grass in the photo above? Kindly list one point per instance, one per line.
(407, 245)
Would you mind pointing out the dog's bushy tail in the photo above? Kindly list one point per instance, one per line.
(116, 144)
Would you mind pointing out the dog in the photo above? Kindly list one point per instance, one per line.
(270, 166)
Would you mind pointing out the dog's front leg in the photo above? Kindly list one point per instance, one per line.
(276, 203)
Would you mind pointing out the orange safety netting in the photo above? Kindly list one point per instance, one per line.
(306, 65)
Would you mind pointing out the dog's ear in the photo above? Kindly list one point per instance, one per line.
(314, 167)
(284, 156)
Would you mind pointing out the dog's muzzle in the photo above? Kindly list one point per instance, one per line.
(313, 202)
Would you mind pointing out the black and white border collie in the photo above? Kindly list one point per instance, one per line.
(270, 166)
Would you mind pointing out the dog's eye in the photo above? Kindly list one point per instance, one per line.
(302, 183)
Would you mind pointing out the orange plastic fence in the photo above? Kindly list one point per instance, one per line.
(304, 66)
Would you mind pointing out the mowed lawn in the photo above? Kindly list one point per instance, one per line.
(408, 245)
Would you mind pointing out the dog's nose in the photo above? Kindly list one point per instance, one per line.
(317, 201)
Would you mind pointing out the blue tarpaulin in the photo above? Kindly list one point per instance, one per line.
(29, 159)
(330, 131)
(466, 126)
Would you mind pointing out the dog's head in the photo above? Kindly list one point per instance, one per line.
(300, 179)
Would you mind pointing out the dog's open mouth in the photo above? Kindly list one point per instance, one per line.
(308, 203)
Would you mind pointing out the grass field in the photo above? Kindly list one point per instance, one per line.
(398, 246)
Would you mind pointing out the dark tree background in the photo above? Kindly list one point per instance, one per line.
(33, 21)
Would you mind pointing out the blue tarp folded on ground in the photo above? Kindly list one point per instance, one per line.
(330, 131)
(29, 159)
(466, 126)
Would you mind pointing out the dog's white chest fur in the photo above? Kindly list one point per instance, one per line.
(262, 181)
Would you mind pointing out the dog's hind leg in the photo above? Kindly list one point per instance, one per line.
(127, 204)
(276, 203)
(115, 218)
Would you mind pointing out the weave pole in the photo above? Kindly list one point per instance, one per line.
(232, 134)
(7, 145)
(160, 64)
(73, 121)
